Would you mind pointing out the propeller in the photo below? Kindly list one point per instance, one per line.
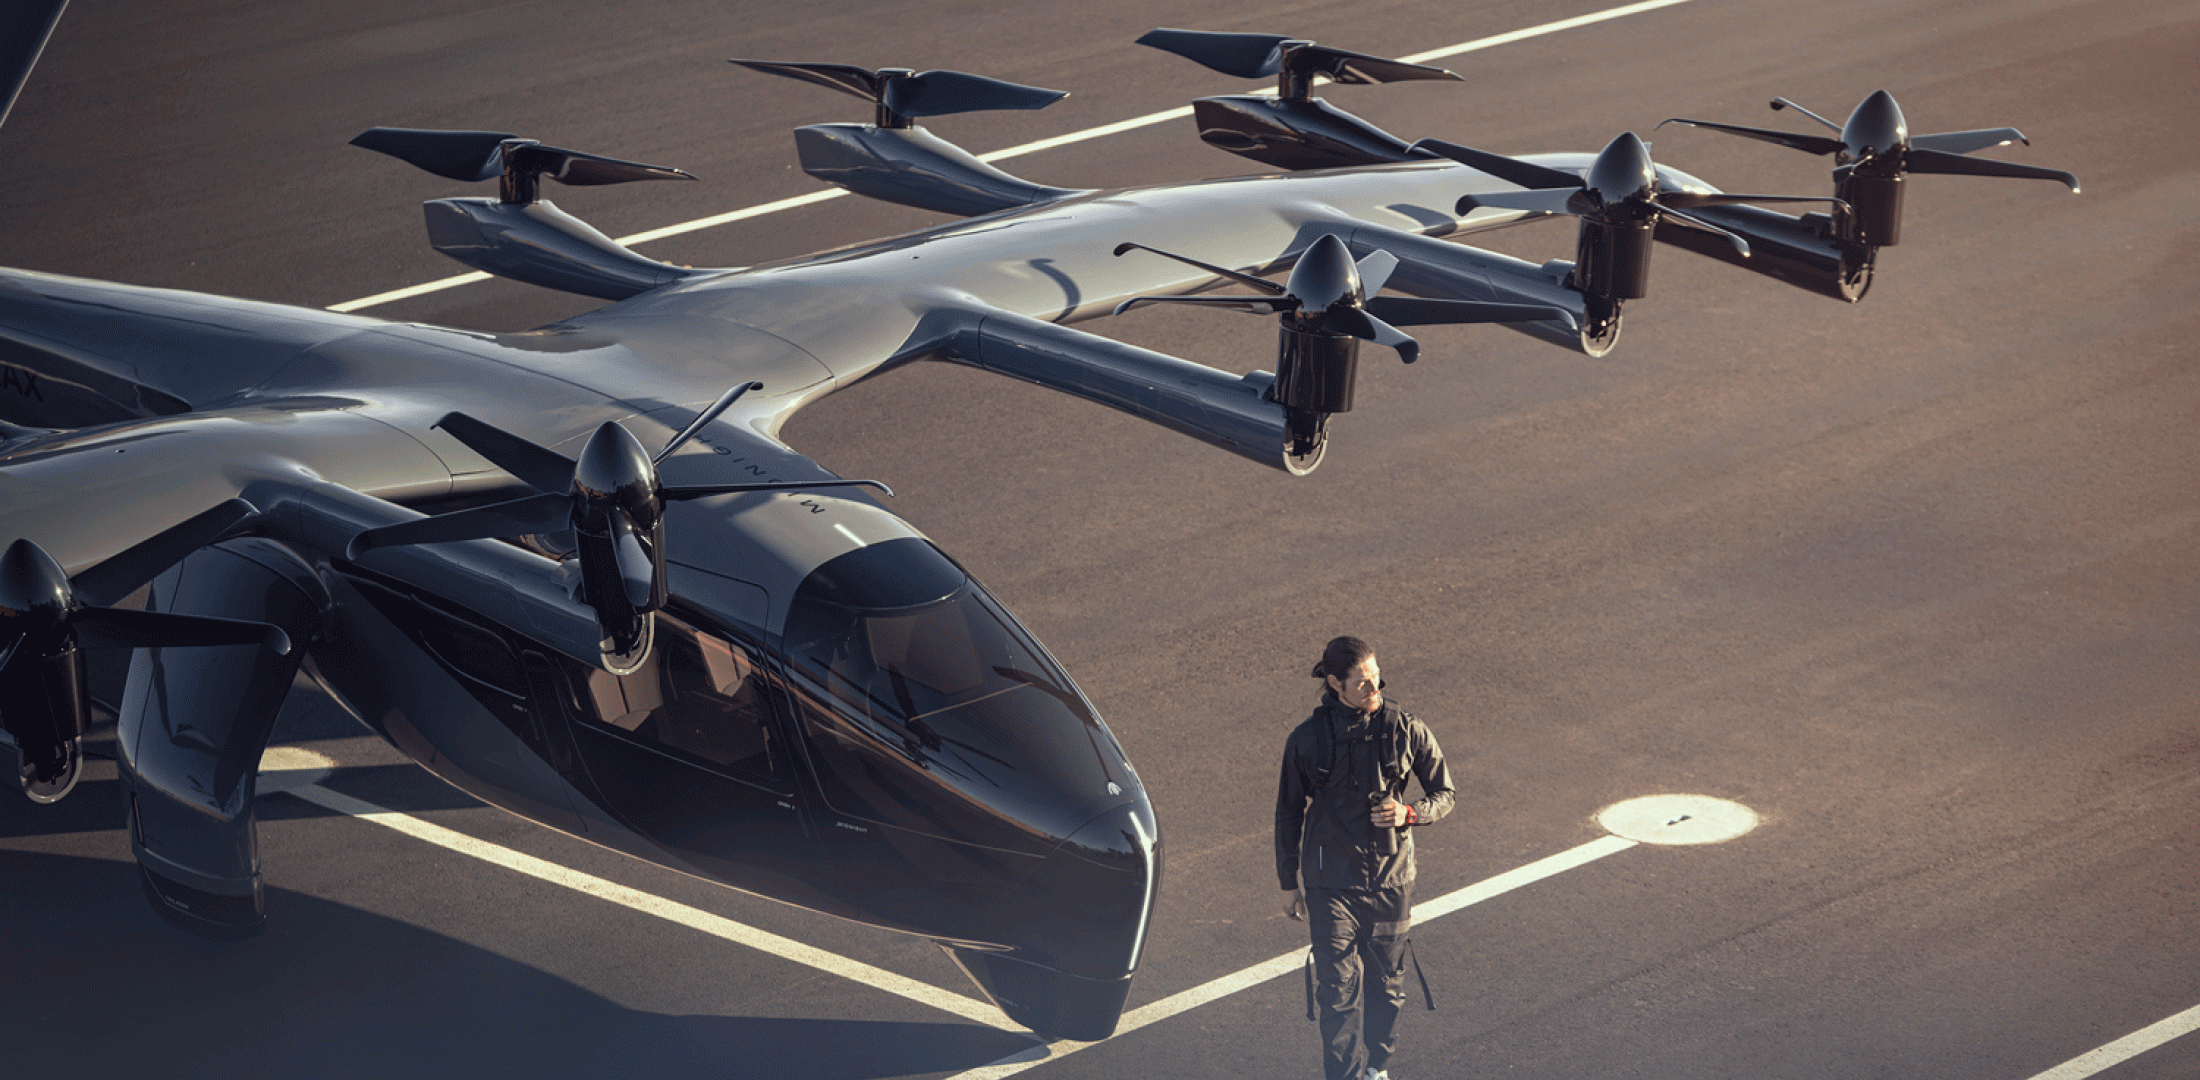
(1328, 294)
(1621, 188)
(1326, 311)
(40, 606)
(46, 617)
(611, 498)
(1619, 204)
(1874, 150)
(1296, 62)
(522, 163)
(24, 27)
(903, 94)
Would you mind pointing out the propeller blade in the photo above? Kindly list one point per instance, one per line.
(1690, 220)
(1689, 200)
(576, 169)
(1375, 271)
(1358, 323)
(1248, 280)
(1779, 103)
(697, 491)
(24, 28)
(1964, 142)
(547, 512)
(1511, 170)
(1353, 68)
(535, 466)
(938, 93)
(1938, 161)
(636, 572)
(724, 402)
(122, 574)
(1411, 311)
(1547, 201)
(1809, 144)
(846, 78)
(1247, 56)
(1251, 305)
(454, 155)
(123, 628)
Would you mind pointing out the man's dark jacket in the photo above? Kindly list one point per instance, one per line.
(1322, 829)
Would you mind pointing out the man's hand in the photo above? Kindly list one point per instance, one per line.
(1391, 814)
(1297, 911)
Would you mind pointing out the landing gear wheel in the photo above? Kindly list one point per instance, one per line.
(1306, 439)
(1600, 327)
(1856, 276)
(63, 780)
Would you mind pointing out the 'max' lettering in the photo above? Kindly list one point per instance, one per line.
(21, 381)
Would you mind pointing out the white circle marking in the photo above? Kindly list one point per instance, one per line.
(1677, 819)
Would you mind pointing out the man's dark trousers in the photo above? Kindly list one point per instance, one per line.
(1359, 974)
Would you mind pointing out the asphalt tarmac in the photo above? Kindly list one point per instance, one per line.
(1914, 580)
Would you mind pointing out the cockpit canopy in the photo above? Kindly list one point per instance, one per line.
(923, 670)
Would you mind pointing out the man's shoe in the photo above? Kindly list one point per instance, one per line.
(1376, 1074)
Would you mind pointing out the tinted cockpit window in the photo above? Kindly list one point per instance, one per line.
(698, 694)
(915, 666)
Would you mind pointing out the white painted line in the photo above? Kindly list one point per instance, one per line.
(671, 911)
(2130, 1046)
(1295, 959)
(1103, 130)
(1576, 22)
(1526, 875)
(409, 291)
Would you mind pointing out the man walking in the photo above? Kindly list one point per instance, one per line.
(1344, 850)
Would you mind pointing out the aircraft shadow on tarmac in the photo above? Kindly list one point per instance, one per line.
(332, 991)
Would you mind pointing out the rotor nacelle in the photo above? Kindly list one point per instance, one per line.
(44, 705)
(1621, 204)
(48, 618)
(1873, 155)
(1325, 310)
(610, 498)
(1291, 129)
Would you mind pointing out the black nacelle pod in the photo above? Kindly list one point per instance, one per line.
(44, 710)
(1292, 129)
(896, 160)
(1325, 310)
(1316, 373)
(1873, 155)
(519, 235)
(1612, 259)
(48, 618)
(1294, 134)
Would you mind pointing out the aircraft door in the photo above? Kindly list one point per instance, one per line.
(691, 753)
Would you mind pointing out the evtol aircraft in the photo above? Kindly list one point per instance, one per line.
(575, 572)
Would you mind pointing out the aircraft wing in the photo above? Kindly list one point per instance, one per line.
(1232, 412)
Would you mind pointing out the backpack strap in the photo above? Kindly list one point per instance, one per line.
(1325, 744)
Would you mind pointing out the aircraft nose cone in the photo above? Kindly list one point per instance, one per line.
(1623, 170)
(34, 593)
(1324, 278)
(1876, 127)
(613, 467)
(1079, 924)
